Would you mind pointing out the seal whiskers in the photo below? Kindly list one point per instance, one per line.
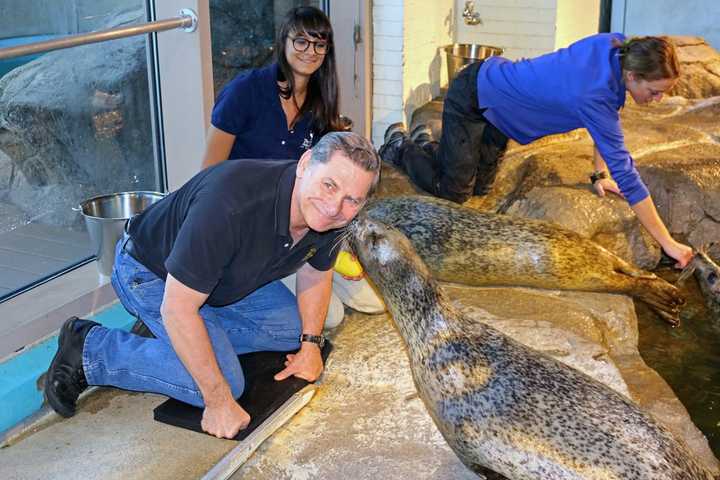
(504, 407)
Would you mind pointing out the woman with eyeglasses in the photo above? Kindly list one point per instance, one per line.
(281, 110)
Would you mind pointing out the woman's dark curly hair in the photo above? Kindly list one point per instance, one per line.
(322, 93)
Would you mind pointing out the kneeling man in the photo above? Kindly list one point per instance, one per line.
(201, 269)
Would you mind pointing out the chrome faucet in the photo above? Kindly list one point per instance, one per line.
(470, 15)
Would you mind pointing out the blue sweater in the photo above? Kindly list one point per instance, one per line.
(249, 108)
(580, 86)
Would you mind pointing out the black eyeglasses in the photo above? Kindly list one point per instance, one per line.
(301, 44)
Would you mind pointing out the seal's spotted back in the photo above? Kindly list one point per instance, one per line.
(506, 410)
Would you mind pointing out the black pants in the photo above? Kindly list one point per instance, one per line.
(466, 160)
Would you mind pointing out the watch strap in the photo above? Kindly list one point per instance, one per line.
(319, 340)
(598, 175)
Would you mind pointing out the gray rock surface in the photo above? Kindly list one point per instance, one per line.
(76, 123)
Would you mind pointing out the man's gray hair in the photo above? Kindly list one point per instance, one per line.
(356, 147)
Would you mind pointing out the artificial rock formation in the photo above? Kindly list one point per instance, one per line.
(700, 68)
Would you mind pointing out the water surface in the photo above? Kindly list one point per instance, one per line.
(687, 357)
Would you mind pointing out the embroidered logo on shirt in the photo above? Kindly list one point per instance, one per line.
(307, 142)
(309, 254)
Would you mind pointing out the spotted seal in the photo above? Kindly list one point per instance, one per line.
(466, 246)
(508, 411)
(707, 273)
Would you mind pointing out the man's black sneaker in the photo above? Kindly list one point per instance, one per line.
(421, 135)
(395, 135)
(65, 379)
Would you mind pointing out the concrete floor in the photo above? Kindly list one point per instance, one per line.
(365, 421)
(113, 436)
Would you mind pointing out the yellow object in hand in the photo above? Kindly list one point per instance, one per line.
(346, 264)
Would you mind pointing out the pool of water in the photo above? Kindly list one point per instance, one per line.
(687, 357)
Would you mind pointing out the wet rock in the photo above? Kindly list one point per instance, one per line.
(700, 67)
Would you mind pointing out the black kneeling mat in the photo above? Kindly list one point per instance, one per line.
(263, 395)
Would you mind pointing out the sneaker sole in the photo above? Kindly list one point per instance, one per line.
(50, 394)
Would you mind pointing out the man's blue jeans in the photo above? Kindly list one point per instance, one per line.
(267, 319)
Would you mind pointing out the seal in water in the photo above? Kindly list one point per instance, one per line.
(707, 273)
(466, 246)
(507, 410)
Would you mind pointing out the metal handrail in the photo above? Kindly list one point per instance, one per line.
(187, 21)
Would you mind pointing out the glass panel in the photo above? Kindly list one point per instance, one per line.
(243, 34)
(74, 124)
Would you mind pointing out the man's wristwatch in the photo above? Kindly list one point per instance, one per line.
(598, 175)
(318, 340)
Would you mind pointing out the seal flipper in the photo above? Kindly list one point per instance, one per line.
(662, 296)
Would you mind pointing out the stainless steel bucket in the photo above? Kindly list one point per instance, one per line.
(105, 217)
(460, 55)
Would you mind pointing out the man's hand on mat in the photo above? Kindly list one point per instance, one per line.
(306, 364)
(225, 420)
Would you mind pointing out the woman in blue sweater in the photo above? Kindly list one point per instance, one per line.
(582, 86)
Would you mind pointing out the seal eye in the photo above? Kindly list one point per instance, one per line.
(712, 278)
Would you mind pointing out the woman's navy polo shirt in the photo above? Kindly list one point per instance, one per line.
(226, 232)
(249, 108)
(576, 87)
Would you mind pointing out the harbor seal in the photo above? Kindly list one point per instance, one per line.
(508, 411)
(463, 245)
(707, 273)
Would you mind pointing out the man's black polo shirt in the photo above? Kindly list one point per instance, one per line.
(226, 231)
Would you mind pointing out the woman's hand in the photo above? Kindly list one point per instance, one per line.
(680, 252)
(607, 185)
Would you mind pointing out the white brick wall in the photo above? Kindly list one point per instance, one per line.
(387, 65)
(408, 67)
(524, 28)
